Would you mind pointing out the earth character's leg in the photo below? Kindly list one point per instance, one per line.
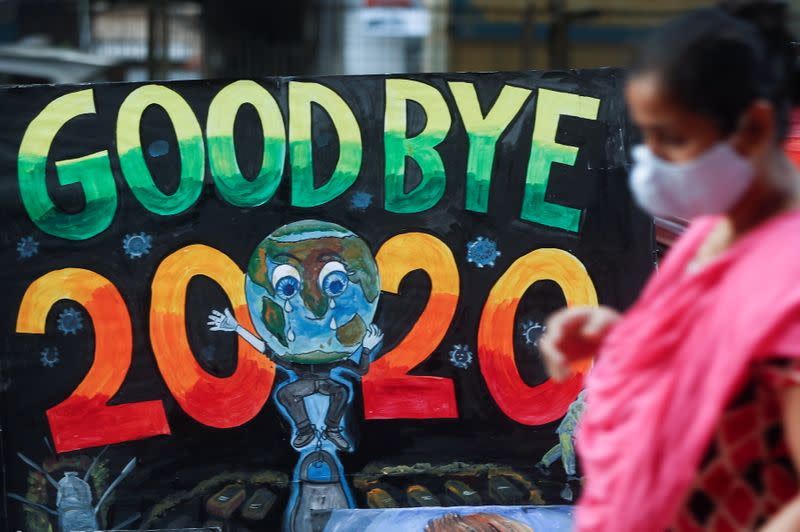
(292, 397)
(337, 402)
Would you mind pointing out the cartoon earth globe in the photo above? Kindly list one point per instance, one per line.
(312, 290)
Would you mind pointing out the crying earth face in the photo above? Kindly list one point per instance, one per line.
(312, 290)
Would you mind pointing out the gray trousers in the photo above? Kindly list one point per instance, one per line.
(292, 397)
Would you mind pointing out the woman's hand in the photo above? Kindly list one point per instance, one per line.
(574, 334)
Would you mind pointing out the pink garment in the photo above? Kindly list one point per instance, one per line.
(667, 370)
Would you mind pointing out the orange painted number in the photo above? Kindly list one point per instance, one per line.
(547, 402)
(214, 401)
(85, 419)
(389, 392)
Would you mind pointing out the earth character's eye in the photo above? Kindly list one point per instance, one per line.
(286, 280)
(333, 279)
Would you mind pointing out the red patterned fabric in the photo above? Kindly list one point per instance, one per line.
(747, 474)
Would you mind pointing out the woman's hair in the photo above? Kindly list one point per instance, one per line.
(717, 61)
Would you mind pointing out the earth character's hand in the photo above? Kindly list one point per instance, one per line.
(218, 321)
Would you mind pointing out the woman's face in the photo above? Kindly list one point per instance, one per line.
(669, 130)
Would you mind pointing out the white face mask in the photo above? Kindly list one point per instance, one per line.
(710, 184)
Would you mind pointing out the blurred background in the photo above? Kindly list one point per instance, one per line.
(68, 41)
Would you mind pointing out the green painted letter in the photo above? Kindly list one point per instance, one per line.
(231, 184)
(93, 172)
(301, 96)
(550, 105)
(421, 148)
(483, 132)
(190, 144)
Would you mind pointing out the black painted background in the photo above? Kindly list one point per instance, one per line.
(615, 244)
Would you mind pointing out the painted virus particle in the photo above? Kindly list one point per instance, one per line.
(532, 331)
(482, 252)
(137, 245)
(461, 356)
(158, 148)
(27, 247)
(49, 357)
(70, 321)
(360, 201)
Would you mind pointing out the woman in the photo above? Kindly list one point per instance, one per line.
(693, 405)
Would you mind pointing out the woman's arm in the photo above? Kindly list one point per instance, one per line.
(788, 518)
(573, 334)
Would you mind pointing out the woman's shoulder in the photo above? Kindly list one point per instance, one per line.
(683, 249)
(773, 246)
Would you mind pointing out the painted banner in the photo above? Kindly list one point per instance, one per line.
(304, 304)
